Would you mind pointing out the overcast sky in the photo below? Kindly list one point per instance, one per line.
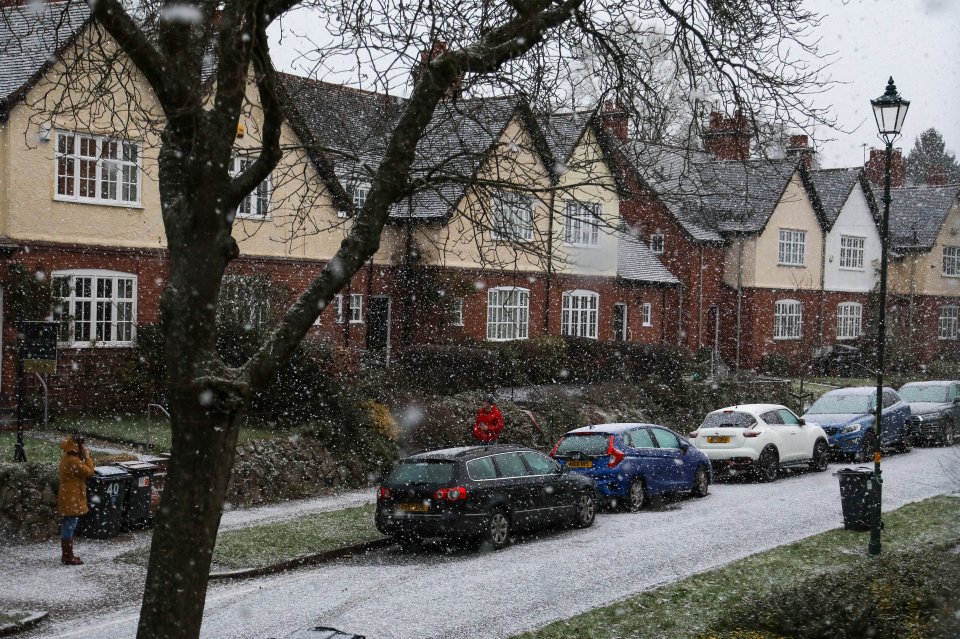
(915, 41)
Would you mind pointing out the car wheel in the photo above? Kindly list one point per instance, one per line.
(498, 529)
(636, 496)
(701, 483)
(821, 456)
(768, 465)
(865, 453)
(586, 510)
(947, 438)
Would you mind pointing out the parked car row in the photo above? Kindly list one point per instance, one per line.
(487, 492)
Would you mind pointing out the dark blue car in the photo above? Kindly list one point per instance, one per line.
(848, 418)
(632, 462)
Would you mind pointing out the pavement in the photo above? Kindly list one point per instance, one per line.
(435, 592)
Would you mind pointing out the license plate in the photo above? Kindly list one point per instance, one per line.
(580, 464)
(413, 508)
(718, 439)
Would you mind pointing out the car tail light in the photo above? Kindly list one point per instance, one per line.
(451, 494)
(553, 451)
(694, 434)
(383, 493)
(751, 433)
(616, 456)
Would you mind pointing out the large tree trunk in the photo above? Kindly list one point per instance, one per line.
(205, 399)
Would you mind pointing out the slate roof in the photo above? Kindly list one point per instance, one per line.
(834, 187)
(31, 36)
(350, 129)
(563, 131)
(917, 214)
(710, 197)
(635, 262)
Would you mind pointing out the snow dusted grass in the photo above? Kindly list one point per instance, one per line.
(38, 450)
(141, 430)
(688, 607)
(268, 544)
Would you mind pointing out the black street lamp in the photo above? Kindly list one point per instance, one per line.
(890, 110)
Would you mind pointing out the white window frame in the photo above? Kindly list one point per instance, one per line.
(115, 173)
(512, 215)
(657, 243)
(582, 223)
(99, 311)
(356, 308)
(851, 252)
(791, 248)
(787, 320)
(951, 261)
(849, 320)
(259, 198)
(258, 309)
(647, 314)
(947, 322)
(580, 314)
(456, 312)
(508, 313)
(358, 197)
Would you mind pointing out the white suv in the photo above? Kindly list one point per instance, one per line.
(760, 438)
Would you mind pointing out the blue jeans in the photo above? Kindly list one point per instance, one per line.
(67, 526)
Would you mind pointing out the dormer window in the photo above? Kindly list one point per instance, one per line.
(656, 243)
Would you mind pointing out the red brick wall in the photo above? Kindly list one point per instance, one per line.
(757, 313)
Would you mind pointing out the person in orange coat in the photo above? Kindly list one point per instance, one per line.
(489, 423)
(76, 467)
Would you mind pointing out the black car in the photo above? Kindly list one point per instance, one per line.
(936, 410)
(481, 493)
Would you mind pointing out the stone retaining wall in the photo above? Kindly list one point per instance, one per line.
(28, 500)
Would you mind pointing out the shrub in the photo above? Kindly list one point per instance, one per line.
(592, 361)
(658, 362)
(775, 365)
(447, 369)
(912, 594)
(540, 360)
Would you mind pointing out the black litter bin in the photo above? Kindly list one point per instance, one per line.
(136, 512)
(860, 502)
(106, 497)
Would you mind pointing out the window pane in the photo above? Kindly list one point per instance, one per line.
(640, 438)
(481, 468)
(540, 464)
(510, 465)
(666, 439)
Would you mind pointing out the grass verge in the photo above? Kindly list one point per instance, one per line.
(153, 432)
(38, 450)
(687, 608)
(268, 544)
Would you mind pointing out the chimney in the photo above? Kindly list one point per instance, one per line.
(615, 119)
(800, 147)
(728, 138)
(935, 175)
(426, 57)
(874, 168)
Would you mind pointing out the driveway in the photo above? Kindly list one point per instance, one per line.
(390, 594)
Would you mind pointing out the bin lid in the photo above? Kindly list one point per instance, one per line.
(110, 472)
(138, 466)
(862, 470)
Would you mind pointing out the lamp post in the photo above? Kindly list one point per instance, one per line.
(889, 110)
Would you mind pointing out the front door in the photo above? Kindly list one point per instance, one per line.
(620, 322)
(378, 323)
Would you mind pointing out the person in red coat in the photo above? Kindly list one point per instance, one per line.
(489, 424)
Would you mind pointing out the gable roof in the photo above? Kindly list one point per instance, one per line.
(834, 187)
(636, 262)
(32, 35)
(917, 215)
(348, 129)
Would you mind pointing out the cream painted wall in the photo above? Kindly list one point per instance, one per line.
(794, 211)
(855, 219)
(734, 261)
(922, 274)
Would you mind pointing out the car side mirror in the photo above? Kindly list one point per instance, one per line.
(801, 421)
(563, 469)
(956, 401)
(684, 447)
(873, 410)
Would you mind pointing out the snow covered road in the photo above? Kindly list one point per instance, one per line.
(390, 594)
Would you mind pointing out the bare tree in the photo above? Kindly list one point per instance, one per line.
(197, 56)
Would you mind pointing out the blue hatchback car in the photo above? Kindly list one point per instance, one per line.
(632, 462)
(848, 417)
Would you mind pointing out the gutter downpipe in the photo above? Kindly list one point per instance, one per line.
(549, 278)
(739, 301)
(700, 303)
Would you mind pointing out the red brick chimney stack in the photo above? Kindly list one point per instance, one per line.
(728, 138)
(615, 120)
(936, 175)
(875, 166)
(800, 147)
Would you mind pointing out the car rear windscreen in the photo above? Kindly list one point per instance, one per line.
(422, 472)
(842, 404)
(587, 444)
(728, 420)
(924, 393)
